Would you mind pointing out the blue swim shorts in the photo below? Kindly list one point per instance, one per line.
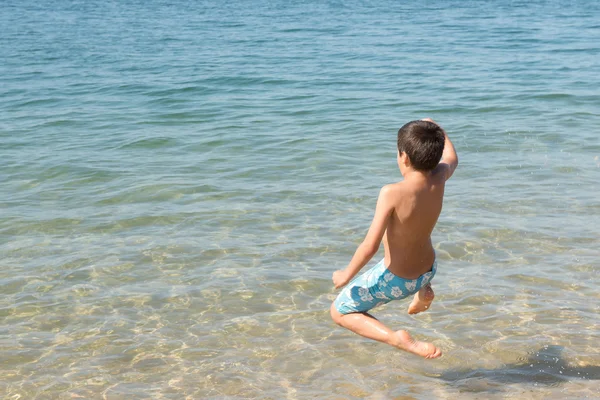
(378, 286)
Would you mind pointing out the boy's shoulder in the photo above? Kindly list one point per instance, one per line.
(394, 191)
(400, 190)
(393, 187)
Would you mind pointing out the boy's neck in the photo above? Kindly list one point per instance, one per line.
(414, 175)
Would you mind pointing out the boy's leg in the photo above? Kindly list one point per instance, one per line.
(422, 300)
(368, 326)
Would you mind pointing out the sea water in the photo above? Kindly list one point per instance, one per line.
(179, 180)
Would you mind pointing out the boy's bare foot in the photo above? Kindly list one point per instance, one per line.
(422, 300)
(405, 342)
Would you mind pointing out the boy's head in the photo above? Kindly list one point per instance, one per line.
(423, 143)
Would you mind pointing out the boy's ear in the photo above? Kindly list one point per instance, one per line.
(404, 159)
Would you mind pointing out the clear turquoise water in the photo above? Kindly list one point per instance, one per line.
(180, 179)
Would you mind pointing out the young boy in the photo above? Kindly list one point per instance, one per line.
(405, 216)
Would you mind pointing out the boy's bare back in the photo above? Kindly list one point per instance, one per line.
(417, 204)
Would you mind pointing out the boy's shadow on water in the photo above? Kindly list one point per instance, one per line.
(543, 367)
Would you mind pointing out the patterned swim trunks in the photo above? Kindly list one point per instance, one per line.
(378, 286)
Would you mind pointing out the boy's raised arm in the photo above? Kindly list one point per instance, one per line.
(367, 249)
(449, 157)
(449, 160)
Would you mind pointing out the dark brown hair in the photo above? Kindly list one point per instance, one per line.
(423, 143)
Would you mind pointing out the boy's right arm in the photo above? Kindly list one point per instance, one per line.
(449, 160)
(449, 157)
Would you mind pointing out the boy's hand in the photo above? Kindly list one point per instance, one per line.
(430, 120)
(340, 278)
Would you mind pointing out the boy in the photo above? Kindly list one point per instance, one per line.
(405, 216)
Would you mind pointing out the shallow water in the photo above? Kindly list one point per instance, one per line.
(180, 179)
